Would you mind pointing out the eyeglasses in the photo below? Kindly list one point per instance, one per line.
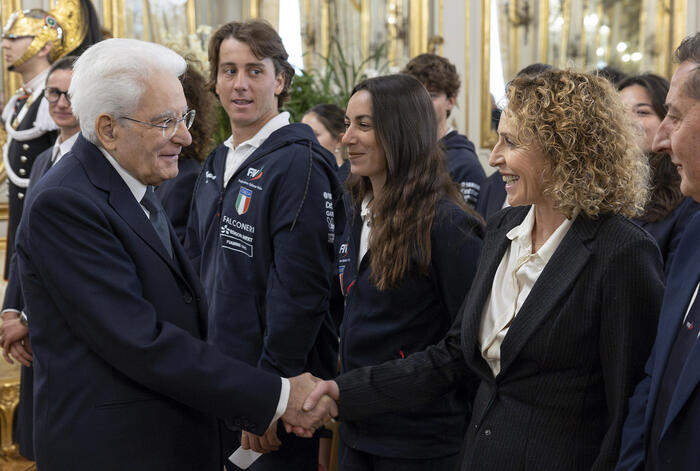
(54, 94)
(169, 125)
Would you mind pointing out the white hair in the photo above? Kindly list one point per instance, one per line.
(110, 78)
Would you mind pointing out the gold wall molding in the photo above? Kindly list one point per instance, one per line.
(9, 398)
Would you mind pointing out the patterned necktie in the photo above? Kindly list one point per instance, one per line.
(160, 224)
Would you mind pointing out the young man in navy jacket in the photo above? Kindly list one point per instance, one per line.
(262, 227)
(442, 81)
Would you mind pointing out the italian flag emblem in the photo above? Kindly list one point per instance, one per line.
(243, 200)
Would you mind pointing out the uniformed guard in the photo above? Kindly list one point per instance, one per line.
(32, 40)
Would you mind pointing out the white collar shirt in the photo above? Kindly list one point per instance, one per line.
(61, 148)
(238, 153)
(516, 275)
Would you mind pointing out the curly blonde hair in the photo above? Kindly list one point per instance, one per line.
(593, 164)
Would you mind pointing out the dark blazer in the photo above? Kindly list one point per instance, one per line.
(568, 363)
(669, 231)
(123, 379)
(13, 300)
(493, 194)
(176, 194)
(678, 446)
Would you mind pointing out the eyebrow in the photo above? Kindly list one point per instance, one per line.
(636, 105)
(168, 115)
(248, 64)
(362, 116)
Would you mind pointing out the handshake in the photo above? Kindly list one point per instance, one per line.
(312, 404)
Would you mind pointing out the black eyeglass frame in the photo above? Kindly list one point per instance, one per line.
(53, 90)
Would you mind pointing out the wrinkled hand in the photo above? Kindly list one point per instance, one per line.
(262, 444)
(14, 339)
(322, 400)
(299, 420)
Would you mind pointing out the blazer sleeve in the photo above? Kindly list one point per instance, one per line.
(95, 287)
(402, 384)
(298, 285)
(632, 452)
(632, 293)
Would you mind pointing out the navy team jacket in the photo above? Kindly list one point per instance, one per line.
(464, 166)
(263, 247)
(379, 326)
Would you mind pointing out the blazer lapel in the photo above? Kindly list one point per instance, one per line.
(679, 292)
(495, 245)
(103, 176)
(554, 282)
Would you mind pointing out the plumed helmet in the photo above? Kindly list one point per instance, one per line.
(64, 27)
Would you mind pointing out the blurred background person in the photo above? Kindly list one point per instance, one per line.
(328, 122)
(441, 79)
(405, 267)
(667, 212)
(176, 194)
(562, 311)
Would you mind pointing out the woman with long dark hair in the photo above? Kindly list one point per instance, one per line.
(563, 309)
(406, 265)
(667, 211)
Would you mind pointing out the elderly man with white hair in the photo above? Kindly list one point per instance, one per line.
(123, 378)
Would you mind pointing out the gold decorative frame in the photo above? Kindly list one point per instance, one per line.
(671, 16)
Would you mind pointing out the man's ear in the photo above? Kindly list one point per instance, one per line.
(107, 131)
(45, 49)
(452, 100)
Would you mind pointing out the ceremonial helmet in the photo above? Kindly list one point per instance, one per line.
(64, 27)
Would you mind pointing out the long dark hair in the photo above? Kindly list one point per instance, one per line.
(199, 98)
(665, 182)
(416, 178)
(331, 116)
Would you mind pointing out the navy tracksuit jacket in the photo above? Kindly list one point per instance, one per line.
(380, 326)
(464, 166)
(263, 247)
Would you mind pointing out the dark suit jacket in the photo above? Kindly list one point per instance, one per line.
(678, 446)
(13, 300)
(568, 363)
(123, 379)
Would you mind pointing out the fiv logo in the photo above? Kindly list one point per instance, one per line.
(255, 173)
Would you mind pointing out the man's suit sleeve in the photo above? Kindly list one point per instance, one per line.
(298, 285)
(633, 290)
(94, 286)
(632, 452)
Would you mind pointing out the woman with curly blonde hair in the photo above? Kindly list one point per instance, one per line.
(562, 311)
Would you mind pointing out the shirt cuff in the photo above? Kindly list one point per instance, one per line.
(284, 399)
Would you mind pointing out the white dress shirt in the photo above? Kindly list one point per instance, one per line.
(366, 216)
(237, 153)
(61, 148)
(514, 279)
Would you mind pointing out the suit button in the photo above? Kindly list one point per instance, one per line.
(487, 432)
(187, 297)
(23, 158)
(25, 147)
(22, 172)
(20, 196)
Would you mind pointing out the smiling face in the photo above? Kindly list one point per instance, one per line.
(60, 110)
(679, 133)
(520, 164)
(366, 155)
(638, 101)
(142, 150)
(247, 87)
